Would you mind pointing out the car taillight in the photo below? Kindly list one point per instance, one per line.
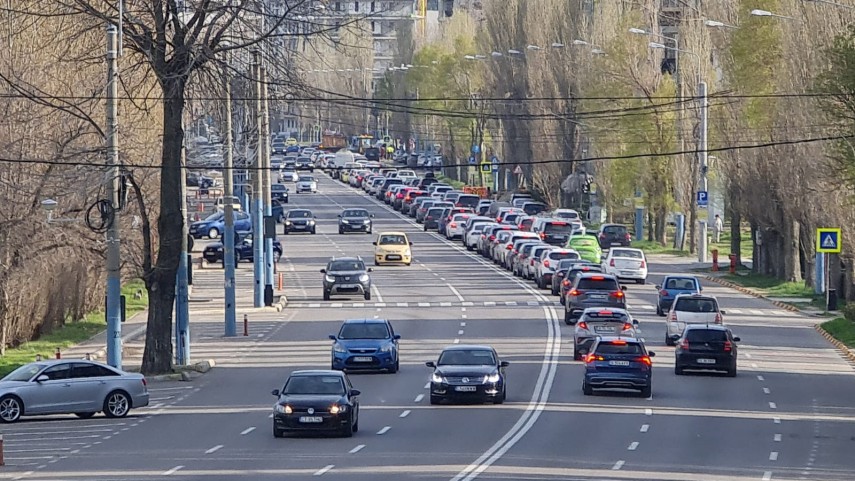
(628, 237)
(718, 318)
(498, 219)
(643, 264)
(532, 262)
(574, 292)
(453, 225)
(400, 196)
(593, 357)
(542, 235)
(612, 263)
(672, 316)
(492, 238)
(583, 325)
(546, 263)
(663, 292)
(430, 217)
(727, 346)
(617, 294)
(483, 236)
(684, 344)
(645, 360)
(627, 326)
(509, 247)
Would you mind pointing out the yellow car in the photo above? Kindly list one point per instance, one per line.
(290, 141)
(392, 248)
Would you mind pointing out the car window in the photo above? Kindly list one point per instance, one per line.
(682, 284)
(215, 216)
(706, 335)
(369, 330)
(307, 178)
(593, 283)
(81, 369)
(59, 371)
(24, 373)
(435, 212)
(627, 253)
(302, 214)
(691, 304)
(314, 385)
(392, 239)
(563, 255)
(355, 213)
(619, 348)
(558, 228)
(615, 229)
(467, 357)
(346, 266)
(277, 188)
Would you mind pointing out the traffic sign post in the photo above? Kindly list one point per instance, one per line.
(486, 167)
(828, 241)
(703, 198)
(472, 160)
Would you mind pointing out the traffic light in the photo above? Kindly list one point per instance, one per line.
(449, 8)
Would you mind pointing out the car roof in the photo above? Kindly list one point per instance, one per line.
(392, 233)
(365, 321)
(706, 327)
(351, 258)
(597, 274)
(624, 339)
(317, 372)
(468, 347)
(696, 296)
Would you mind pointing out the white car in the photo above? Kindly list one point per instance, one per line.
(601, 321)
(690, 309)
(475, 234)
(626, 263)
(288, 174)
(307, 183)
(546, 269)
(509, 244)
(454, 228)
(535, 259)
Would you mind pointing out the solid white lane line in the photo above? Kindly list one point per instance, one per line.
(405, 414)
(776, 420)
(464, 316)
(377, 293)
(773, 456)
(247, 431)
(172, 471)
(773, 405)
(760, 378)
(645, 428)
(323, 470)
(648, 412)
(766, 390)
(618, 465)
(767, 476)
(777, 438)
(357, 449)
(419, 398)
(214, 449)
(632, 446)
(384, 430)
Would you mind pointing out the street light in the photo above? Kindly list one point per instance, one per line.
(717, 24)
(469, 57)
(496, 54)
(514, 52)
(829, 2)
(637, 31)
(534, 47)
(766, 13)
(477, 57)
(557, 45)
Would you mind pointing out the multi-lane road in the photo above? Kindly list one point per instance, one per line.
(787, 415)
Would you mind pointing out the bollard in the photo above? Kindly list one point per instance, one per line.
(2, 461)
(245, 325)
(714, 260)
(88, 357)
(58, 354)
(38, 357)
(732, 263)
(281, 281)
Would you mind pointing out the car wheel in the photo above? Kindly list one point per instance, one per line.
(313, 231)
(368, 232)
(341, 231)
(732, 371)
(117, 405)
(434, 400)
(285, 231)
(539, 281)
(659, 310)
(577, 355)
(11, 409)
(278, 433)
(640, 281)
(567, 318)
(368, 295)
(84, 415)
(554, 291)
(237, 258)
(408, 264)
(347, 430)
(356, 424)
(587, 390)
(213, 233)
(646, 391)
(326, 295)
(678, 370)
(668, 341)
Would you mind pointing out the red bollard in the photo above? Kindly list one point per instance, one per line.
(2, 461)
(732, 263)
(281, 281)
(715, 260)
(245, 325)
(58, 354)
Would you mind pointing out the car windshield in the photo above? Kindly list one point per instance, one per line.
(680, 284)
(436, 212)
(619, 348)
(314, 385)
(307, 178)
(563, 255)
(393, 239)
(355, 213)
(215, 216)
(615, 230)
(695, 305)
(467, 357)
(278, 188)
(567, 263)
(24, 373)
(368, 330)
(346, 266)
(300, 214)
(627, 253)
(706, 335)
(582, 242)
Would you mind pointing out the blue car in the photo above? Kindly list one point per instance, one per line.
(673, 286)
(214, 225)
(365, 344)
(618, 363)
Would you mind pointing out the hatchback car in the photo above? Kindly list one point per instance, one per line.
(78, 387)
(288, 174)
(592, 290)
(613, 235)
(348, 276)
(365, 344)
(316, 400)
(307, 183)
(392, 248)
(561, 273)
(587, 247)
(572, 273)
(355, 220)
(706, 347)
(595, 322)
(299, 220)
(691, 309)
(617, 362)
(468, 373)
(215, 252)
(626, 263)
(279, 192)
(671, 287)
(215, 224)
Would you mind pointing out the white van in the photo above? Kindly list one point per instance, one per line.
(220, 204)
(342, 158)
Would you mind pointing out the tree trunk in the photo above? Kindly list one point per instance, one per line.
(790, 247)
(160, 283)
(736, 235)
(661, 225)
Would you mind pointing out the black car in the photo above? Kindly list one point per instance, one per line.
(592, 290)
(613, 235)
(372, 154)
(355, 220)
(570, 278)
(564, 266)
(279, 192)
(215, 252)
(301, 220)
(348, 276)
(305, 163)
(708, 347)
(196, 179)
(468, 373)
(316, 400)
(618, 363)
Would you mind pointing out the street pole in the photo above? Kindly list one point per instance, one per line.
(228, 208)
(265, 191)
(257, 203)
(182, 303)
(702, 228)
(114, 279)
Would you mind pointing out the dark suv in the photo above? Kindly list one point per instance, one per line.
(593, 290)
(613, 235)
(706, 347)
(618, 362)
(347, 275)
(355, 220)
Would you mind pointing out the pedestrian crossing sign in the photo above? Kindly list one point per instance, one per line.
(828, 240)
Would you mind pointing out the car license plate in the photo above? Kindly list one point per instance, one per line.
(346, 286)
(615, 243)
(311, 419)
(465, 388)
(627, 273)
(604, 329)
(363, 359)
(706, 361)
(618, 363)
(393, 257)
(597, 297)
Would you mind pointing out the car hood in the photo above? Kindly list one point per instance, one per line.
(346, 273)
(317, 401)
(203, 223)
(357, 219)
(465, 370)
(363, 343)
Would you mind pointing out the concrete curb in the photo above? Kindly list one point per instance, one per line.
(839, 345)
(283, 302)
(745, 290)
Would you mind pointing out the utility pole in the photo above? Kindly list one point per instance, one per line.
(114, 279)
(702, 228)
(228, 208)
(265, 192)
(182, 301)
(257, 203)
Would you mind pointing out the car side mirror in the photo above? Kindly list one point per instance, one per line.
(370, 269)
(42, 378)
(275, 392)
(339, 216)
(374, 243)
(372, 216)
(651, 353)
(623, 288)
(323, 271)
(635, 322)
(355, 392)
(431, 364)
(658, 287)
(675, 337)
(504, 364)
(397, 336)
(411, 242)
(332, 337)
(736, 339)
(722, 312)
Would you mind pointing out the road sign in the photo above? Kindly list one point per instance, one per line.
(703, 198)
(486, 166)
(476, 149)
(518, 170)
(828, 240)
(495, 161)
(472, 160)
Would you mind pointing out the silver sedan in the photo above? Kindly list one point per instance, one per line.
(70, 387)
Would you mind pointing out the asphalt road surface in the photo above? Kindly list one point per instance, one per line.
(787, 415)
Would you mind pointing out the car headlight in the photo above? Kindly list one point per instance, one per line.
(283, 409)
(339, 348)
(311, 222)
(336, 408)
(366, 221)
(287, 222)
(364, 278)
(436, 378)
(387, 348)
(345, 221)
(492, 378)
(329, 278)
(407, 253)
